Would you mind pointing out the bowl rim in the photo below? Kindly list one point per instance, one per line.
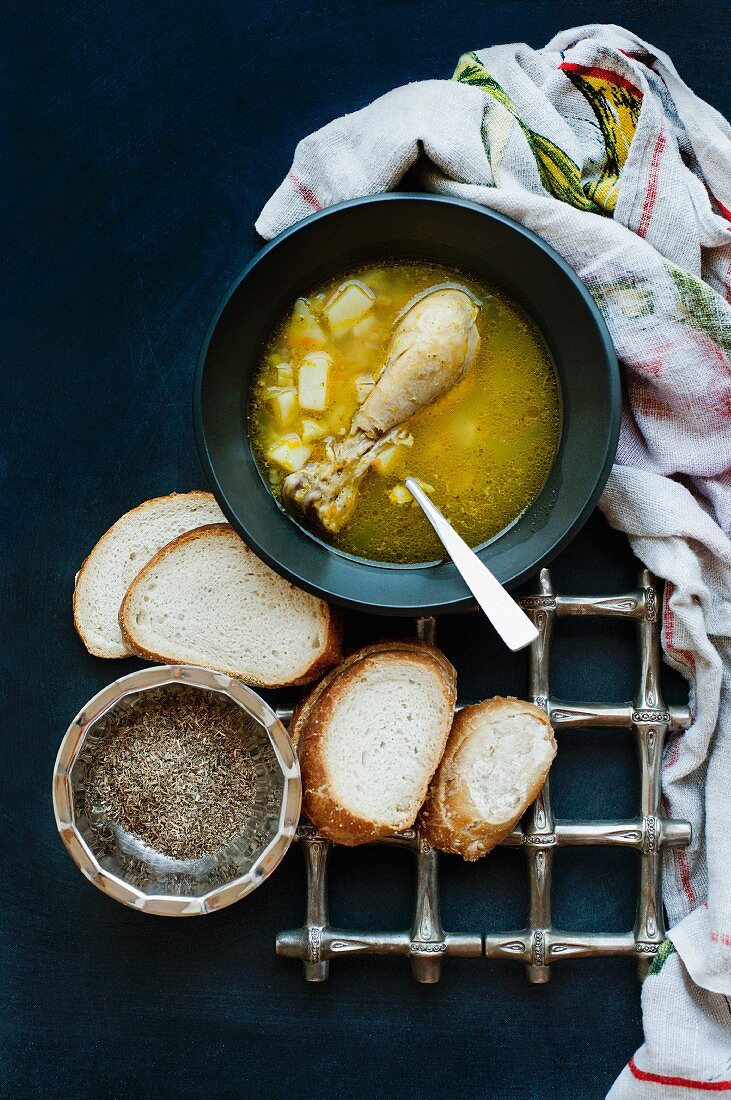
(449, 606)
(180, 905)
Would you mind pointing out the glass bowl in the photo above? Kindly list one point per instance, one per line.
(142, 878)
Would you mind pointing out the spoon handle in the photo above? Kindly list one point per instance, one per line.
(510, 621)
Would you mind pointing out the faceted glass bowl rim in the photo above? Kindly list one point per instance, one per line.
(63, 800)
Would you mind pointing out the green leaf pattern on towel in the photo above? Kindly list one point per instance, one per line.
(559, 174)
(701, 308)
(665, 950)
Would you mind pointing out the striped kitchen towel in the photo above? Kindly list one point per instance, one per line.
(596, 144)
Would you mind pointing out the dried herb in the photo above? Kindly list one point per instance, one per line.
(173, 770)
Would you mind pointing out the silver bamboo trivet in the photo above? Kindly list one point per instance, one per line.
(539, 834)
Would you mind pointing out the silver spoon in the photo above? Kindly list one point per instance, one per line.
(510, 621)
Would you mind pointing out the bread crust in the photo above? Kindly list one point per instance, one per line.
(97, 651)
(394, 645)
(309, 730)
(329, 655)
(449, 818)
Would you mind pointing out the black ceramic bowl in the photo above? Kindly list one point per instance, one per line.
(421, 227)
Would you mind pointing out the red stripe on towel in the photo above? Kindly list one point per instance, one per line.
(643, 58)
(668, 621)
(309, 196)
(651, 195)
(678, 1082)
(673, 754)
(724, 210)
(600, 74)
(688, 888)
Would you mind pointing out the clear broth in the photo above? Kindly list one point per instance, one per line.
(485, 449)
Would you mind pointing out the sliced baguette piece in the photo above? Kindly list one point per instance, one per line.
(496, 761)
(370, 738)
(400, 645)
(206, 599)
(118, 557)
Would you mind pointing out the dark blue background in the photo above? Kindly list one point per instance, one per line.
(139, 142)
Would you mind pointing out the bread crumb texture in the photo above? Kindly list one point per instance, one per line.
(206, 599)
(118, 557)
(497, 758)
(371, 737)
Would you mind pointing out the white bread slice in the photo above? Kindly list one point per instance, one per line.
(370, 738)
(496, 761)
(303, 708)
(118, 557)
(206, 599)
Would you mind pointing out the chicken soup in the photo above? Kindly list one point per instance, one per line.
(404, 370)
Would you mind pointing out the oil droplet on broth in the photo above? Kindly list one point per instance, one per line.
(486, 447)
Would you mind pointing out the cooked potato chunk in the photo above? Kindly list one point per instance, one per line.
(368, 331)
(388, 457)
(313, 379)
(350, 302)
(285, 374)
(311, 430)
(290, 453)
(400, 495)
(284, 403)
(305, 328)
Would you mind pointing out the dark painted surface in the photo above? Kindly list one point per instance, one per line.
(139, 143)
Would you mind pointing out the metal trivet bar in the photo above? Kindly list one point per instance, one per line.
(539, 834)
